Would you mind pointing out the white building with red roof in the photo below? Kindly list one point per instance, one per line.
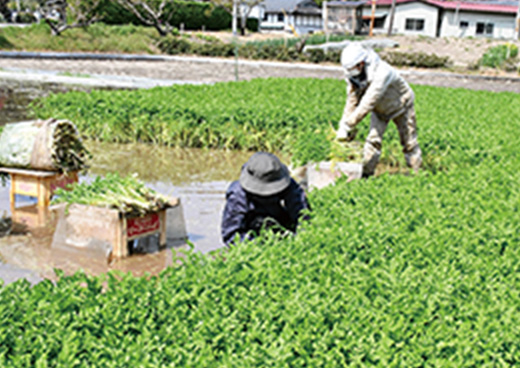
(439, 18)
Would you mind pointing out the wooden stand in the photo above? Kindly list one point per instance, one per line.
(38, 184)
(83, 226)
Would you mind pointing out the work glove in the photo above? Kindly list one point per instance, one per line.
(345, 133)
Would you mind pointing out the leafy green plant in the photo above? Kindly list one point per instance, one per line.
(416, 270)
(281, 115)
(499, 56)
(128, 195)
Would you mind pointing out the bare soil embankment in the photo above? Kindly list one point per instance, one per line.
(211, 70)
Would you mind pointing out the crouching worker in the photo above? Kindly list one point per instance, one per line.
(265, 196)
(373, 86)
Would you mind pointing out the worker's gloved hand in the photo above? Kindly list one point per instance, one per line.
(345, 133)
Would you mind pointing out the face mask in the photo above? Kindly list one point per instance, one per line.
(359, 80)
(352, 72)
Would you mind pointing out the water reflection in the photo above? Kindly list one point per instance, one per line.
(198, 177)
(176, 166)
(33, 251)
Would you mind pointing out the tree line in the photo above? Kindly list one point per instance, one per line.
(61, 15)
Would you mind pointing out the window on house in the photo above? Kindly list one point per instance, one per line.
(484, 28)
(264, 17)
(414, 24)
(379, 22)
(464, 24)
(280, 17)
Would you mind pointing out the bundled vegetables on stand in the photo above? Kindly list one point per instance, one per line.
(53, 145)
(128, 195)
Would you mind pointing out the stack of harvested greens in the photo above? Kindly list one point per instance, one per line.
(53, 145)
(128, 195)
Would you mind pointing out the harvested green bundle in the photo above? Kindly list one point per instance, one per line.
(51, 144)
(128, 195)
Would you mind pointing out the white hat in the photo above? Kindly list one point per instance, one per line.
(352, 55)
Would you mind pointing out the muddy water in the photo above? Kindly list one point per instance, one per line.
(198, 177)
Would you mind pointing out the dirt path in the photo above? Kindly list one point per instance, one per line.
(210, 70)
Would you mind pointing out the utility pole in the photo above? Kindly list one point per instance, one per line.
(234, 27)
(234, 20)
(372, 18)
(325, 19)
(391, 20)
(517, 28)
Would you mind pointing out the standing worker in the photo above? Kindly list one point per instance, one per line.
(374, 86)
(265, 196)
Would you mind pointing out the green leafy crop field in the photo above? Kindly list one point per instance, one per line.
(456, 127)
(394, 271)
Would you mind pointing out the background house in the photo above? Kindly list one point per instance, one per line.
(432, 18)
(343, 16)
(300, 16)
(438, 18)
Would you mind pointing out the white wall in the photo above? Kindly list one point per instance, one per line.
(302, 23)
(416, 10)
(307, 23)
(257, 12)
(503, 24)
(381, 11)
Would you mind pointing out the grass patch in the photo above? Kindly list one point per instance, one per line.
(96, 38)
(78, 75)
(5, 43)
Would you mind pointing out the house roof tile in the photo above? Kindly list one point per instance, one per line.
(277, 5)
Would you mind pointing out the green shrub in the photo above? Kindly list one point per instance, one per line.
(25, 17)
(499, 56)
(416, 59)
(4, 43)
(193, 15)
(280, 51)
(252, 24)
(319, 56)
(174, 45)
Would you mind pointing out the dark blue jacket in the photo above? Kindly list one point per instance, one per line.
(245, 212)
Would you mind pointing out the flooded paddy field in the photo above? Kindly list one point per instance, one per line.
(197, 177)
(15, 96)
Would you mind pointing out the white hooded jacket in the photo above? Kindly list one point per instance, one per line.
(387, 94)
